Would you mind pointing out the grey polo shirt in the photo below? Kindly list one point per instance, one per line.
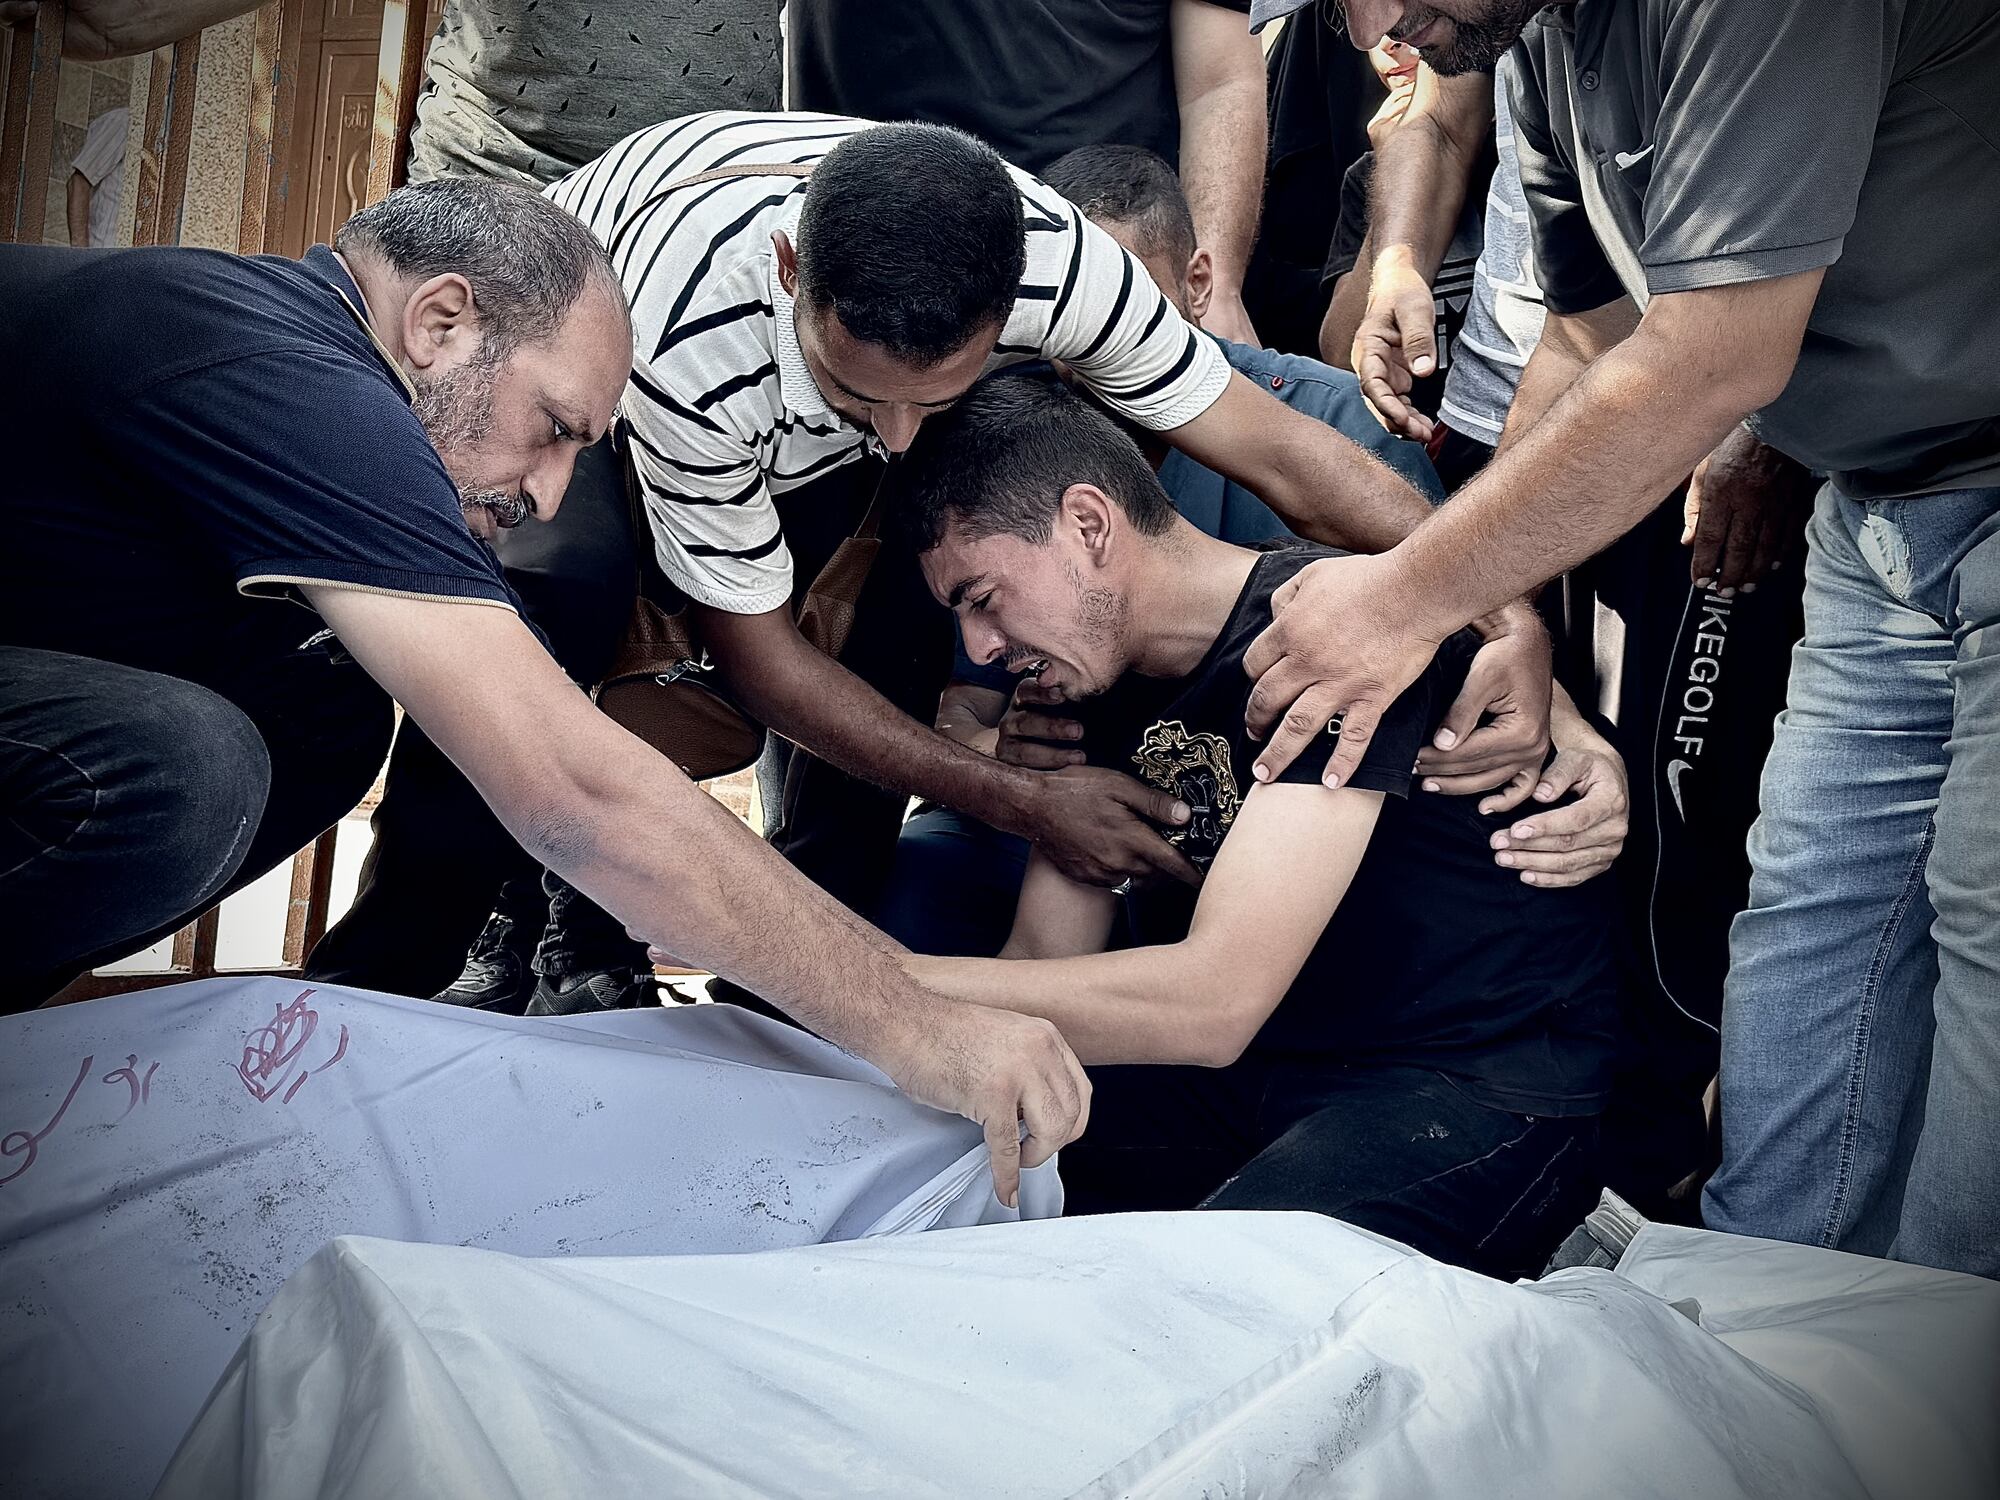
(1671, 145)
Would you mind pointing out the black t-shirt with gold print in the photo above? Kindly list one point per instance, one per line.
(1436, 955)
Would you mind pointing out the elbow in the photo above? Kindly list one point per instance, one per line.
(1231, 1019)
(1727, 378)
(1223, 1042)
(1758, 387)
(1220, 1048)
(103, 38)
(559, 831)
(1736, 382)
(555, 810)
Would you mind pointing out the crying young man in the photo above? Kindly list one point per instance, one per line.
(1358, 1013)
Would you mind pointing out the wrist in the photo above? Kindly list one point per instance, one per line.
(1516, 617)
(1398, 258)
(1427, 612)
(1010, 798)
(902, 1025)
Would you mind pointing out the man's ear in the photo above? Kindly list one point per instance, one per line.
(1200, 283)
(1093, 516)
(440, 322)
(788, 262)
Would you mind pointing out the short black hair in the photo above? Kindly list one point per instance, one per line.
(913, 235)
(999, 461)
(1129, 185)
(526, 259)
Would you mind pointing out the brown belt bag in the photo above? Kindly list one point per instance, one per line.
(665, 688)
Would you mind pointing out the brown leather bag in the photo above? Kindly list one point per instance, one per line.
(665, 688)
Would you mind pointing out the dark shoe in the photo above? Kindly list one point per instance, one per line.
(586, 994)
(583, 938)
(497, 975)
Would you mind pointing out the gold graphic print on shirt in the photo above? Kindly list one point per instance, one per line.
(1195, 768)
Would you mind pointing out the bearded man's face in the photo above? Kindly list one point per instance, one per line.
(456, 409)
(1454, 36)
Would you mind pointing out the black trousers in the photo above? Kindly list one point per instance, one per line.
(131, 801)
(840, 830)
(1401, 1150)
(1635, 641)
(440, 857)
(1693, 685)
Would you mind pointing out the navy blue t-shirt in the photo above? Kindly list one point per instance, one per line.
(1436, 956)
(197, 434)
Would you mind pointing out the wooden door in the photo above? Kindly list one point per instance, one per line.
(326, 163)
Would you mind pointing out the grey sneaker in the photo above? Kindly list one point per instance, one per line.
(497, 975)
(584, 994)
(1603, 1237)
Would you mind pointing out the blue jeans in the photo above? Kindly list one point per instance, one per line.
(1861, 1020)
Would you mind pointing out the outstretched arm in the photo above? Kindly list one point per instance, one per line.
(621, 823)
(1617, 437)
(1281, 873)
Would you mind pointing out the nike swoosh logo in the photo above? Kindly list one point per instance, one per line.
(1675, 771)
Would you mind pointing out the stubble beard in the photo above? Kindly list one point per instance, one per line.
(1475, 45)
(456, 410)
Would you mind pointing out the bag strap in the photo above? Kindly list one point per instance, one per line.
(743, 169)
(878, 505)
(713, 174)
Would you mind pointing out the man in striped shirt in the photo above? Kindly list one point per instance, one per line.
(786, 325)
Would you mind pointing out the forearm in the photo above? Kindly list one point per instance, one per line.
(96, 30)
(1568, 728)
(1139, 1005)
(817, 703)
(1424, 169)
(1348, 499)
(1549, 374)
(1569, 344)
(1219, 87)
(1422, 172)
(983, 739)
(1344, 311)
(79, 210)
(1586, 454)
(1222, 171)
(1325, 487)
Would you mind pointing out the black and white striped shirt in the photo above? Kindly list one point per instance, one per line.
(722, 411)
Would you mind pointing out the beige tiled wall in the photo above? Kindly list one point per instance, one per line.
(84, 91)
(214, 205)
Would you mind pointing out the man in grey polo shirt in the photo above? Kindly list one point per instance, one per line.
(1785, 213)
